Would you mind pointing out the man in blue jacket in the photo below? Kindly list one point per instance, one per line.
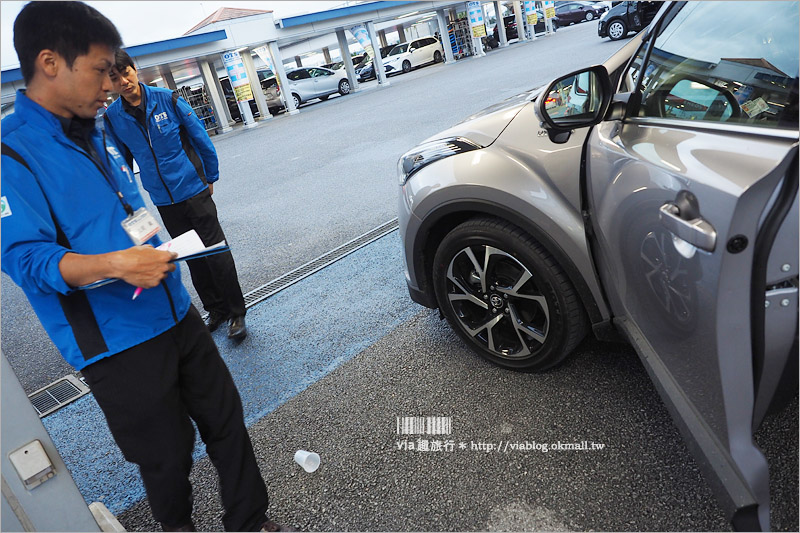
(71, 211)
(179, 167)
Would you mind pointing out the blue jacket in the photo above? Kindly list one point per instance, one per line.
(175, 155)
(65, 183)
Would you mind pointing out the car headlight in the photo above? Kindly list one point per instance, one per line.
(425, 154)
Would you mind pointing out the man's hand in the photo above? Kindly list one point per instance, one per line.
(141, 266)
(211, 188)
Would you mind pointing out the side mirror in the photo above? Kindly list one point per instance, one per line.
(577, 100)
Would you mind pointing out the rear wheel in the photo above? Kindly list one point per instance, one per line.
(617, 30)
(344, 87)
(506, 296)
(296, 100)
(589, 16)
(406, 66)
(437, 57)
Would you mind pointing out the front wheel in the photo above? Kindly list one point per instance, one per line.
(344, 87)
(617, 30)
(406, 66)
(506, 296)
(589, 16)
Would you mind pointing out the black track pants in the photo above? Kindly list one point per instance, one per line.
(214, 277)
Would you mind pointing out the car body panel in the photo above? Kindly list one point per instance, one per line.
(543, 191)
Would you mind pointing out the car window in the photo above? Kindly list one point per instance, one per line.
(300, 74)
(399, 49)
(709, 63)
(319, 72)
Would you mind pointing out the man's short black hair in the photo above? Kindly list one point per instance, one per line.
(67, 28)
(122, 60)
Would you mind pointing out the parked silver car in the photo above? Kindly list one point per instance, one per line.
(654, 196)
(316, 82)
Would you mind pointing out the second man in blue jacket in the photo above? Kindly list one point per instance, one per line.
(179, 166)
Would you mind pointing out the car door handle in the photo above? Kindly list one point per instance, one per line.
(684, 221)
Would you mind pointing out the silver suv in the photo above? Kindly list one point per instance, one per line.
(654, 196)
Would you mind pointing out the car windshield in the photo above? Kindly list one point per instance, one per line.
(399, 49)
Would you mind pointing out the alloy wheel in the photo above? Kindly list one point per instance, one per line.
(497, 301)
(589, 16)
(615, 30)
(344, 87)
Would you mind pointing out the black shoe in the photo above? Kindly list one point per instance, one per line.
(271, 526)
(237, 330)
(215, 321)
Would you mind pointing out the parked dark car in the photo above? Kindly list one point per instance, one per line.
(366, 70)
(233, 105)
(626, 17)
(510, 24)
(573, 12)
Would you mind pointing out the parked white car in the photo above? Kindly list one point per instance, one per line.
(406, 56)
(307, 83)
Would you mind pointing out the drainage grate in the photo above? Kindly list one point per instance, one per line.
(265, 291)
(57, 395)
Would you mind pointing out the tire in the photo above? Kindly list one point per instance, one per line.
(528, 324)
(344, 87)
(589, 16)
(437, 57)
(406, 66)
(617, 29)
(297, 100)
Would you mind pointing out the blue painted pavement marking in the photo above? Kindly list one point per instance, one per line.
(294, 338)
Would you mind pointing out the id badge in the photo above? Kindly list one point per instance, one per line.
(141, 226)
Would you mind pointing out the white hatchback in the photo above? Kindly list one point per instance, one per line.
(307, 83)
(406, 56)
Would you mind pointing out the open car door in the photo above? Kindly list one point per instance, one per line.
(692, 196)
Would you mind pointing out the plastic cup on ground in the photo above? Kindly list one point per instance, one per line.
(308, 460)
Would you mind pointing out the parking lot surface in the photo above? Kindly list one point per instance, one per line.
(332, 362)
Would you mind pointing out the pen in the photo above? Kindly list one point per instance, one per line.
(138, 290)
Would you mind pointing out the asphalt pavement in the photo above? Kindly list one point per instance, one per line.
(334, 361)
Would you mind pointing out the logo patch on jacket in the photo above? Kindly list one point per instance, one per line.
(5, 209)
(161, 116)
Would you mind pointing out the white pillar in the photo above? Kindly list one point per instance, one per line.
(382, 38)
(326, 53)
(501, 26)
(377, 60)
(401, 33)
(448, 49)
(217, 98)
(280, 75)
(255, 85)
(522, 23)
(344, 49)
(218, 84)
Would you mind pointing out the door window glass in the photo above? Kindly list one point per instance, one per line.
(711, 63)
(295, 75)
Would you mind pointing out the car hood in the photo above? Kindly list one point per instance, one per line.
(485, 126)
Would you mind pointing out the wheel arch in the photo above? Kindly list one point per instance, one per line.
(439, 222)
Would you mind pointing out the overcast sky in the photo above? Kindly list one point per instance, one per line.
(144, 22)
